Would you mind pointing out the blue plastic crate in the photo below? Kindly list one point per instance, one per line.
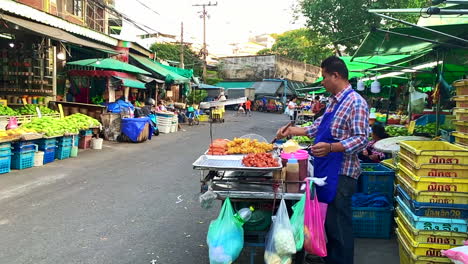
(454, 211)
(432, 223)
(46, 142)
(65, 140)
(63, 152)
(22, 160)
(88, 132)
(379, 180)
(5, 152)
(49, 155)
(24, 146)
(4, 146)
(372, 222)
(5, 164)
(447, 135)
(76, 141)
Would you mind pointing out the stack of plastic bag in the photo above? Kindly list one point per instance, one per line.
(280, 243)
(225, 236)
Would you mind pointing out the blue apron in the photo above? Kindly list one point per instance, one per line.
(330, 165)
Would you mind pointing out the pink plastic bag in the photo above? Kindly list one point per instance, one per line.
(458, 255)
(314, 230)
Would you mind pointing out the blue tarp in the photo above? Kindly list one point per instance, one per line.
(132, 127)
(119, 106)
(370, 200)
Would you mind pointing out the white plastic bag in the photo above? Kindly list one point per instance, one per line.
(417, 101)
(280, 244)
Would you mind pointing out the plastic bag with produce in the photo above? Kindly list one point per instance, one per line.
(314, 229)
(280, 244)
(225, 237)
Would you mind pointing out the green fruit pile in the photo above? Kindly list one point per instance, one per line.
(52, 127)
(7, 111)
(81, 121)
(307, 124)
(303, 139)
(395, 131)
(30, 109)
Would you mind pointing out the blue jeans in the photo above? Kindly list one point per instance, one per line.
(339, 224)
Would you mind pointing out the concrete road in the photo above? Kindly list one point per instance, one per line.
(129, 203)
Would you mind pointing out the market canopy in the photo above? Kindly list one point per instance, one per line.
(401, 41)
(160, 69)
(228, 85)
(269, 88)
(108, 64)
(187, 73)
(205, 86)
(131, 83)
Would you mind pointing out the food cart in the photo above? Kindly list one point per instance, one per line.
(226, 176)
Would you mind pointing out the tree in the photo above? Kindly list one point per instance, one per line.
(301, 45)
(168, 51)
(345, 22)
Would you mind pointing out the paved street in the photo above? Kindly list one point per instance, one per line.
(129, 203)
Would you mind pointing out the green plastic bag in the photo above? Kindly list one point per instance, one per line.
(225, 236)
(297, 222)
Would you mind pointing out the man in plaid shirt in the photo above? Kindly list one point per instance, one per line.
(345, 131)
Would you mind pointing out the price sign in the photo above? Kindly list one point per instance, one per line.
(411, 127)
(39, 114)
(61, 111)
(24, 101)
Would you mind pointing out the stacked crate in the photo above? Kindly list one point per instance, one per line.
(48, 145)
(5, 157)
(461, 113)
(85, 139)
(374, 222)
(64, 146)
(23, 155)
(432, 200)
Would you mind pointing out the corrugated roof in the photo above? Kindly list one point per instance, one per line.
(268, 87)
(228, 85)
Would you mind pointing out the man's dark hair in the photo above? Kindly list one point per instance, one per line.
(317, 97)
(334, 64)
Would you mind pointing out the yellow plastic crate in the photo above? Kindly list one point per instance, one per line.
(427, 236)
(203, 118)
(389, 164)
(461, 86)
(408, 257)
(461, 101)
(434, 170)
(433, 152)
(421, 249)
(461, 114)
(461, 138)
(432, 197)
(461, 126)
(432, 184)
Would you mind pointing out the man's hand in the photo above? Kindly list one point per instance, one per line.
(280, 134)
(321, 149)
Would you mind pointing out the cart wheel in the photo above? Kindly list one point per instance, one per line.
(222, 120)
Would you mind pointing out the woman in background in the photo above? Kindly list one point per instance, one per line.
(370, 154)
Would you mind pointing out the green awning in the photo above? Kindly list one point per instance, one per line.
(228, 85)
(382, 43)
(159, 69)
(131, 83)
(187, 73)
(108, 64)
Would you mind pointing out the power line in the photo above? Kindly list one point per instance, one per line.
(143, 4)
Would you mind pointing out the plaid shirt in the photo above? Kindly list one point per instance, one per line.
(350, 127)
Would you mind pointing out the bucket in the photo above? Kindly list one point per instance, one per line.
(96, 143)
(74, 152)
(39, 159)
(302, 157)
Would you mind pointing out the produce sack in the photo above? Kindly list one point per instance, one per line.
(458, 255)
(225, 237)
(280, 243)
(314, 230)
(297, 222)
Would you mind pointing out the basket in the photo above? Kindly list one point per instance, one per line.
(461, 138)
(22, 160)
(432, 237)
(203, 118)
(379, 180)
(165, 129)
(432, 197)
(433, 152)
(22, 146)
(432, 184)
(434, 170)
(461, 86)
(5, 164)
(65, 141)
(454, 211)
(85, 142)
(63, 152)
(431, 223)
(461, 114)
(428, 256)
(461, 126)
(6, 145)
(5, 152)
(49, 155)
(461, 101)
(389, 164)
(46, 143)
(372, 222)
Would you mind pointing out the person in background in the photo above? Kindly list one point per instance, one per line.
(369, 154)
(248, 105)
(264, 103)
(340, 135)
(292, 108)
(161, 107)
(318, 106)
(241, 109)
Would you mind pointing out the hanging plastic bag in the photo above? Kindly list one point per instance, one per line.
(297, 222)
(225, 237)
(280, 244)
(12, 123)
(417, 100)
(314, 230)
(458, 255)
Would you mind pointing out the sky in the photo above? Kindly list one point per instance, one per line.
(231, 21)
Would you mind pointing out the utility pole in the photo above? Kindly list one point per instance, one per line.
(204, 51)
(182, 45)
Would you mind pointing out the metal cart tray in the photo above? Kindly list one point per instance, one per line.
(228, 162)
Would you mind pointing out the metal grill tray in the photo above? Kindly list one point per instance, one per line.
(227, 162)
